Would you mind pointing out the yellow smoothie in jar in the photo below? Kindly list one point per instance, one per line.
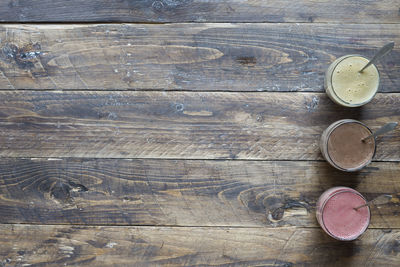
(346, 86)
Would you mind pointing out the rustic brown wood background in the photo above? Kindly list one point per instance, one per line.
(185, 132)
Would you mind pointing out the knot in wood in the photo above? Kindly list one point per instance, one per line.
(24, 57)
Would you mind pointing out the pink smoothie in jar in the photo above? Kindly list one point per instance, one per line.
(337, 216)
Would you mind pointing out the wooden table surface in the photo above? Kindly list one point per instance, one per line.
(185, 132)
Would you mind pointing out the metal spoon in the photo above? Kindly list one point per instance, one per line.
(384, 129)
(379, 200)
(381, 52)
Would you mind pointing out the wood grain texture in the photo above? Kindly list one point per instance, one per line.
(183, 192)
(224, 57)
(26, 245)
(346, 11)
(181, 125)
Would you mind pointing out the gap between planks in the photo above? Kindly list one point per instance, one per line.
(180, 159)
(180, 226)
(187, 22)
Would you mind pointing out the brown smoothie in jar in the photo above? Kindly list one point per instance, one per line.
(346, 148)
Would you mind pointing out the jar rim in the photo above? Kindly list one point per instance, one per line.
(344, 190)
(333, 89)
(339, 123)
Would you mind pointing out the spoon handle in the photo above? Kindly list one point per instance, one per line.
(383, 51)
(384, 129)
(380, 200)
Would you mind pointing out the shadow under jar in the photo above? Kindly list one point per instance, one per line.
(342, 146)
(346, 86)
(337, 216)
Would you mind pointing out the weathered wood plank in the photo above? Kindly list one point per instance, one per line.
(183, 193)
(28, 245)
(346, 11)
(226, 57)
(182, 125)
